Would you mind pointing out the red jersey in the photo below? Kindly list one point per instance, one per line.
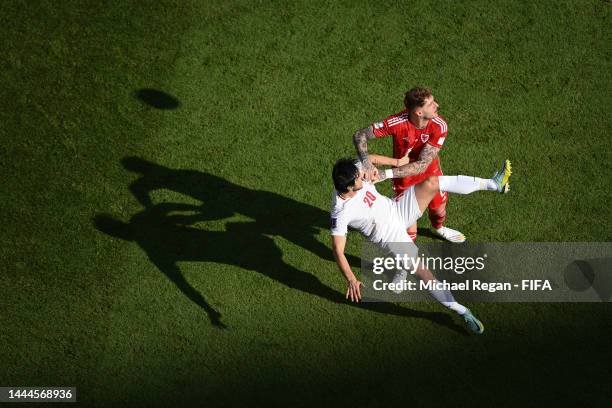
(406, 136)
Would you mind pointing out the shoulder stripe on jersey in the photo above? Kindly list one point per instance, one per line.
(439, 119)
(403, 116)
(441, 123)
(395, 120)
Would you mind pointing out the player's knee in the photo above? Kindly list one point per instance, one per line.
(431, 183)
(424, 274)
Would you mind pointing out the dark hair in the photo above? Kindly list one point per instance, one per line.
(415, 98)
(344, 174)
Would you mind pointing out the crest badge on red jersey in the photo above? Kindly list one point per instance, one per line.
(424, 138)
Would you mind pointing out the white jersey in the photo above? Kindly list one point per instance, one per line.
(376, 216)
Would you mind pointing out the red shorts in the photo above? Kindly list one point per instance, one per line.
(439, 199)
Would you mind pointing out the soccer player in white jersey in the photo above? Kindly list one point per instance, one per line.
(357, 204)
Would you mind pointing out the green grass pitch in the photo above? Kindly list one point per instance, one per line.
(259, 99)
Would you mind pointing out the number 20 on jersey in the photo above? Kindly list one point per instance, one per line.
(369, 198)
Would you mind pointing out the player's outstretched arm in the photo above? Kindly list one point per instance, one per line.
(353, 292)
(379, 160)
(360, 139)
(427, 155)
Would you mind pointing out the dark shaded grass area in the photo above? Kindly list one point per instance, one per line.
(69, 71)
(166, 166)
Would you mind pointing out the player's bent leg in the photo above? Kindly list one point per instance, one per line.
(399, 245)
(443, 296)
(437, 209)
(424, 274)
(446, 298)
(468, 184)
(425, 191)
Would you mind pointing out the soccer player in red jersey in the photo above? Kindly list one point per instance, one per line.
(419, 132)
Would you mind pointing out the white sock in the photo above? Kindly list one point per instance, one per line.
(465, 184)
(448, 300)
(457, 307)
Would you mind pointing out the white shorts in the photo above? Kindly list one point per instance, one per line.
(408, 207)
(398, 241)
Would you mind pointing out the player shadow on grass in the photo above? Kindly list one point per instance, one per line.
(169, 238)
(426, 232)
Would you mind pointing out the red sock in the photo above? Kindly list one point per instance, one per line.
(437, 217)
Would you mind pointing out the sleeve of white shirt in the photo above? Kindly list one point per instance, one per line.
(338, 225)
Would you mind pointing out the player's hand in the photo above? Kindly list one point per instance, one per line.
(370, 172)
(404, 160)
(353, 292)
(380, 176)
